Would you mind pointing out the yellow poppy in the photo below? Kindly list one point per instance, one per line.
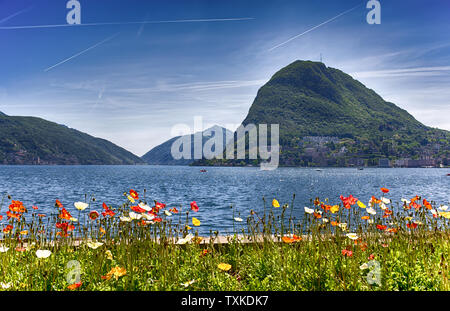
(196, 222)
(361, 204)
(224, 267)
(275, 203)
(334, 209)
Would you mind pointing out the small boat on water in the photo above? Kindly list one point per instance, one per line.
(318, 170)
(360, 168)
(203, 171)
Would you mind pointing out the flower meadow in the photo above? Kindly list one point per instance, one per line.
(348, 244)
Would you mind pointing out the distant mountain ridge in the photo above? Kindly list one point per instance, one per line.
(327, 118)
(34, 141)
(161, 155)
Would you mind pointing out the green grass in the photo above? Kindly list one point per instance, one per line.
(410, 259)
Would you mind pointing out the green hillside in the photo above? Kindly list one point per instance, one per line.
(29, 140)
(327, 118)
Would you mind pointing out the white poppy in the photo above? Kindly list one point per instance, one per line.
(309, 210)
(135, 216)
(168, 213)
(364, 266)
(148, 216)
(125, 219)
(94, 245)
(371, 211)
(3, 249)
(383, 206)
(385, 200)
(325, 220)
(43, 253)
(443, 207)
(186, 239)
(6, 285)
(238, 219)
(187, 284)
(81, 206)
(145, 207)
(352, 236)
(406, 201)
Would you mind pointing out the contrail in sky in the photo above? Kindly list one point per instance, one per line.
(15, 14)
(130, 23)
(82, 52)
(315, 27)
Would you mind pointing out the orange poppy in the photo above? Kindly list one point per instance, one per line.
(13, 215)
(365, 217)
(427, 204)
(17, 207)
(334, 223)
(384, 190)
(65, 214)
(297, 238)
(134, 194)
(58, 204)
(174, 210)
(35, 207)
(317, 215)
(74, 286)
(287, 239)
(381, 227)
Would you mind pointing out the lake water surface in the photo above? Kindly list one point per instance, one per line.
(217, 189)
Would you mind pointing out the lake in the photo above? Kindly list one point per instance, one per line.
(217, 189)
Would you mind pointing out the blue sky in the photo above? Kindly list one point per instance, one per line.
(131, 83)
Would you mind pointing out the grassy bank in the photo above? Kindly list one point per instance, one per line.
(347, 245)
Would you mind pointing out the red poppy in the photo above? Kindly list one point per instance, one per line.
(347, 253)
(108, 211)
(137, 209)
(58, 204)
(1, 217)
(194, 206)
(371, 257)
(412, 225)
(7, 229)
(381, 227)
(35, 207)
(349, 201)
(157, 219)
(94, 215)
(134, 194)
(384, 190)
(159, 206)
